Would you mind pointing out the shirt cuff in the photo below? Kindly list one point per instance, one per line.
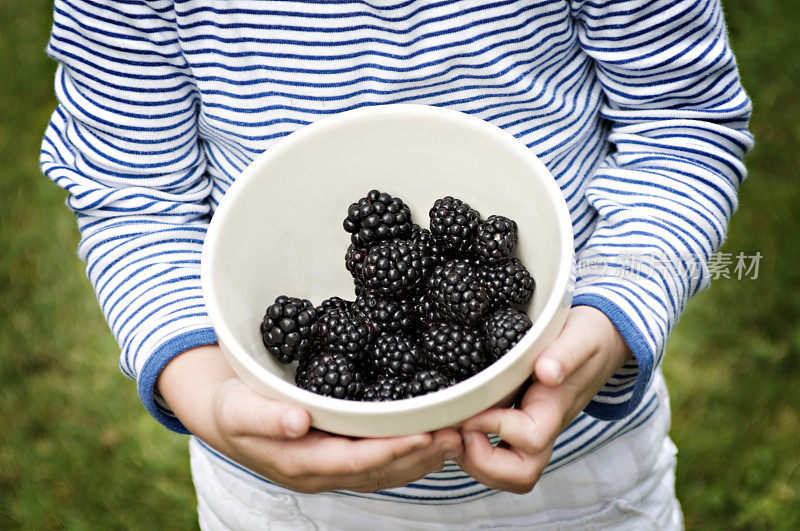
(152, 400)
(624, 391)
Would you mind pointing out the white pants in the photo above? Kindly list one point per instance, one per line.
(627, 484)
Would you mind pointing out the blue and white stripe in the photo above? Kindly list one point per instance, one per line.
(635, 107)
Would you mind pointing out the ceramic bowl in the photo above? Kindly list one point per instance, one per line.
(279, 231)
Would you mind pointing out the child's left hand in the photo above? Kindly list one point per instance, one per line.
(570, 372)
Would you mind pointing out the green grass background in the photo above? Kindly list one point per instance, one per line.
(77, 451)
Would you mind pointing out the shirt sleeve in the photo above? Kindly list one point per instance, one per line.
(123, 143)
(677, 118)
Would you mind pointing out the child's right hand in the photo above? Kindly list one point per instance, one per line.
(273, 438)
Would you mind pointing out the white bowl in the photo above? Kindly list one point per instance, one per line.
(279, 231)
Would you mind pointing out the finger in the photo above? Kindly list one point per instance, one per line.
(529, 433)
(241, 412)
(570, 350)
(553, 408)
(443, 445)
(498, 468)
(534, 426)
(448, 442)
(446, 446)
(514, 426)
(402, 472)
(399, 473)
(364, 474)
(321, 454)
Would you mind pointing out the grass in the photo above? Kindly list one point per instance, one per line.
(733, 363)
(79, 452)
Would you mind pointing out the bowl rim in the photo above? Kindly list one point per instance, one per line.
(226, 337)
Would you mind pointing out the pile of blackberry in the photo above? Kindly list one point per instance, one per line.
(432, 307)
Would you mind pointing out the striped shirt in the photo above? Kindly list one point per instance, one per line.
(634, 106)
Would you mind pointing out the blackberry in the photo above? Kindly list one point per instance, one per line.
(496, 238)
(354, 262)
(377, 217)
(360, 289)
(429, 245)
(458, 292)
(330, 374)
(333, 303)
(503, 329)
(508, 282)
(386, 388)
(454, 224)
(395, 268)
(427, 309)
(454, 350)
(393, 355)
(385, 315)
(343, 333)
(424, 382)
(289, 328)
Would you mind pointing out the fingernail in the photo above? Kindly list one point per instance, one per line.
(450, 452)
(553, 368)
(468, 437)
(294, 423)
(420, 441)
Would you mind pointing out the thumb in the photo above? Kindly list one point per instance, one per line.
(581, 338)
(241, 412)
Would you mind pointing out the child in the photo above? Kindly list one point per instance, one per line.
(635, 107)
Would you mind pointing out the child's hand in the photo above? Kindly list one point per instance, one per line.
(273, 438)
(570, 372)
